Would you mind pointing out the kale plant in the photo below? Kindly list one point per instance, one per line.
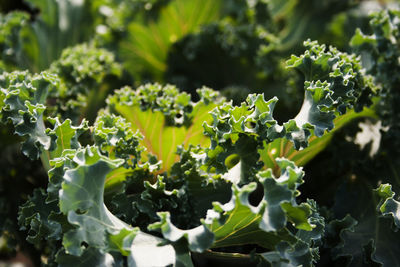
(150, 175)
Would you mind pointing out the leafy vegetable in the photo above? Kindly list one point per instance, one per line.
(152, 176)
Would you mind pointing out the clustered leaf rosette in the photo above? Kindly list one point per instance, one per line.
(87, 74)
(335, 83)
(165, 117)
(163, 173)
(157, 179)
(342, 87)
(337, 91)
(236, 132)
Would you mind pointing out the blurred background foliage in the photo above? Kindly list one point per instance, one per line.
(235, 46)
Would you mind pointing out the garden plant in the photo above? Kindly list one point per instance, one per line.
(200, 133)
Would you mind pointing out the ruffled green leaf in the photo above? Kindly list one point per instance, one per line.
(342, 71)
(66, 135)
(283, 147)
(157, 197)
(201, 188)
(388, 206)
(35, 216)
(316, 111)
(183, 241)
(334, 83)
(368, 237)
(336, 230)
(239, 132)
(380, 53)
(114, 135)
(87, 75)
(199, 239)
(23, 105)
(81, 199)
(337, 91)
(239, 222)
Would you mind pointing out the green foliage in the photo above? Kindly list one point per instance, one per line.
(388, 205)
(148, 40)
(154, 176)
(23, 104)
(10, 43)
(165, 117)
(38, 41)
(87, 75)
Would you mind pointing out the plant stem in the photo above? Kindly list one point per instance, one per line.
(45, 158)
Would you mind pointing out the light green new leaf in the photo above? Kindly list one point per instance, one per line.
(165, 118)
(66, 135)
